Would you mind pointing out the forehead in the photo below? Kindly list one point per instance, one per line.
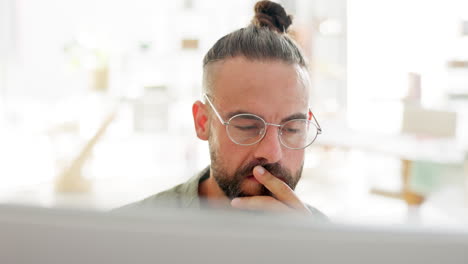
(258, 85)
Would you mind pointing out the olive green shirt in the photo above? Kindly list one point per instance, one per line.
(185, 195)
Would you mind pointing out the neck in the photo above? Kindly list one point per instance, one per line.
(213, 195)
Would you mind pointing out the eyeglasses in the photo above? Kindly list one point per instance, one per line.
(249, 129)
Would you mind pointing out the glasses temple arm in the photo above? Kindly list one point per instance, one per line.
(318, 124)
(214, 109)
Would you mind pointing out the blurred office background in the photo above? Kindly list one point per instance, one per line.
(96, 96)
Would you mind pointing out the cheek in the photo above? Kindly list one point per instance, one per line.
(219, 138)
(234, 156)
(217, 135)
(293, 159)
(231, 155)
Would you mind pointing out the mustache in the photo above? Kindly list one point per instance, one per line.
(274, 168)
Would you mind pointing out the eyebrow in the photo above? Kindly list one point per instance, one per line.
(231, 114)
(291, 117)
(294, 116)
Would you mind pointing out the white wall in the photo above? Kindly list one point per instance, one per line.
(389, 39)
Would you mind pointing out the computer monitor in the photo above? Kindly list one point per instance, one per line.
(35, 235)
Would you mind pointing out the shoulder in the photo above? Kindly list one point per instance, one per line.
(184, 195)
(168, 198)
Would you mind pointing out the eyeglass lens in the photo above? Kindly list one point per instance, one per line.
(249, 129)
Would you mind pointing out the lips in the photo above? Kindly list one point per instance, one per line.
(252, 178)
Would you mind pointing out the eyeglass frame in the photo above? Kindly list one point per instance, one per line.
(317, 125)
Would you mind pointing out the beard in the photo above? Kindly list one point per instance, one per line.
(232, 184)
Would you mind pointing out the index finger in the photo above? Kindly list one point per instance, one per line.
(277, 187)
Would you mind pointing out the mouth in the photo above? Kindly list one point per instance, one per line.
(252, 178)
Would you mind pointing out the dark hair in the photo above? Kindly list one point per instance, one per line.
(266, 38)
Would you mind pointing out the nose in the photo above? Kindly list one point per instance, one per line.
(269, 148)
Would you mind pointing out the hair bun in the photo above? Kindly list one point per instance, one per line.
(272, 15)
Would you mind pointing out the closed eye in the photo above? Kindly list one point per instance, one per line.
(245, 128)
(293, 130)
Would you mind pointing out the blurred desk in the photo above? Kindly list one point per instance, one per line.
(408, 149)
(403, 146)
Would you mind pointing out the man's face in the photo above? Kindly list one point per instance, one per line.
(272, 90)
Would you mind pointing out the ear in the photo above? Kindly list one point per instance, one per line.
(200, 119)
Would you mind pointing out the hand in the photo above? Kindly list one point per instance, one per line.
(284, 199)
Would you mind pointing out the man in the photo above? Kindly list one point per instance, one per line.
(256, 118)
